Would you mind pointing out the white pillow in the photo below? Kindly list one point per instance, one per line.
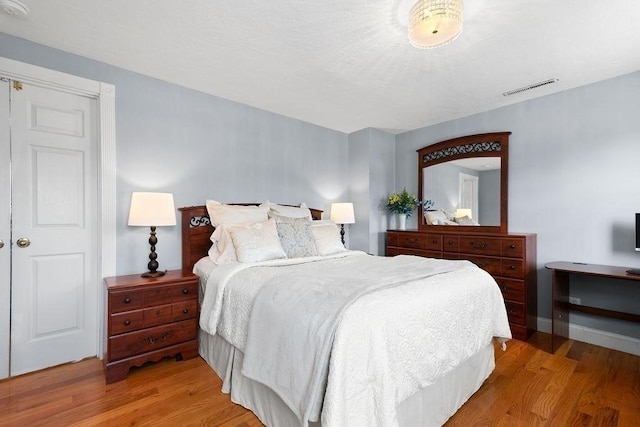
(465, 220)
(435, 217)
(290, 211)
(327, 237)
(222, 250)
(232, 214)
(256, 242)
(295, 236)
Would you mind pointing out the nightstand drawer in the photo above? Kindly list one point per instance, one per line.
(184, 310)
(126, 321)
(150, 339)
(159, 295)
(125, 300)
(158, 315)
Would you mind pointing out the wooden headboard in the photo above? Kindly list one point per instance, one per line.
(197, 230)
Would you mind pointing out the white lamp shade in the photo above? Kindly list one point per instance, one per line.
(434, 23)
(463, 212)
(342, 213)
(152, 209)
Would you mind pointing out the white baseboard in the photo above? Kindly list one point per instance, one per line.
(596, 337)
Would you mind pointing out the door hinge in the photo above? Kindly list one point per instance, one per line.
(17, 85)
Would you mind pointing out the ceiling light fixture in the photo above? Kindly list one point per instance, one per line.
(434, 23)
(14, 8)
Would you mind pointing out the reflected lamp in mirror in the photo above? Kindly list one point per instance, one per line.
(342, 213)
(462, 212)
(152, 210)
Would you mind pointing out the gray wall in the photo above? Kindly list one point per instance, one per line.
(574, 179)
(489, 197)
(199, 146)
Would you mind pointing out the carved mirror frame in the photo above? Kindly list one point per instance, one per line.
(482, 145)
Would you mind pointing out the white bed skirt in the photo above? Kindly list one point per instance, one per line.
(431, 406)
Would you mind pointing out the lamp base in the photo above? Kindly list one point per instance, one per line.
(153, 274)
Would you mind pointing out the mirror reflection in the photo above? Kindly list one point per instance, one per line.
(463, 192)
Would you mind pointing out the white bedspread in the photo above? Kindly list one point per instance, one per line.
(388, 343)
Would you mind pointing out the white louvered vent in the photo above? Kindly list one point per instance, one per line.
(531, 86)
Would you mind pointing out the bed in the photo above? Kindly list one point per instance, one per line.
(383, 358)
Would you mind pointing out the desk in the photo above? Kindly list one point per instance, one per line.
(560, 296)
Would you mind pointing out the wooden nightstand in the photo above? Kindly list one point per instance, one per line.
(149, 319)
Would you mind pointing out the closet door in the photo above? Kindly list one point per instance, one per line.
(5, 229)
(54, 280)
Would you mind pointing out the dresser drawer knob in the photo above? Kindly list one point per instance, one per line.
(512, 246)
(450, 242)
(127, 300)
(185, 291)
(153, 340)
(512, 267)
(505, 288)
(185, 311)
(127, 322)
(475, 245)
(434, 241)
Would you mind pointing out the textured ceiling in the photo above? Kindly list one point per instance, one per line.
(346, 64)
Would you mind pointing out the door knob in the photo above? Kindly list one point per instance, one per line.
(23, 242)
(1, 244)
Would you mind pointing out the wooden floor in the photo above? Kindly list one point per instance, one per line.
(581, 385)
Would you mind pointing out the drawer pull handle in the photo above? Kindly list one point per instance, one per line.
(185, 311)
(185, 291)
(484, 264)
(127, 322)
(505, 288)
(450, 242)
(153, 340)
(475, 245)
(434, 241)
(512, 267)
(512, 246)
(127, 300)
(512, 310)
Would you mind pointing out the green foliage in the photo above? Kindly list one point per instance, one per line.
(403, 203)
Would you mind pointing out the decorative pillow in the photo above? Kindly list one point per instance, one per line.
(295, 236)
(256, 242)
(231, 214)
(290, 211)
(465, 220)
(222, 251)
(435, 217)
(327, 237)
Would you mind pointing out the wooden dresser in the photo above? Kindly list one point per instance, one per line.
(149, 319)
(509, 258)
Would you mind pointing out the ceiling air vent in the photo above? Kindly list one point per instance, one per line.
(531, 86)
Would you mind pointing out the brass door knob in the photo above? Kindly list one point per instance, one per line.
(23, 242)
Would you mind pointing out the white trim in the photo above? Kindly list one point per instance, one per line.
(105, 95)
(596, 337)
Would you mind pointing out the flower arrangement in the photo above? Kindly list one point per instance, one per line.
(403, 203)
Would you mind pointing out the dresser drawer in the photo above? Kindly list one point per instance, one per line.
(513, 248)
(480, 245)
(418, 252)
(512, 290)
(490, 265)
(513, 268)
(450, 243)
(125, 322)
(515, 312)
(420, 241)
(160, 295)
(145, 340)
(125, 300)
(184, 310)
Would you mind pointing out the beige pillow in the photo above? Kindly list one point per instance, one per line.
(295, 236)
(327, 237)
(222, 250)
(290, 211)
(435, 217)
(256, 242)
(231, 214)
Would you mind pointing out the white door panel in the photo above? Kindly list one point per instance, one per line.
(5, 229)
(54, 278)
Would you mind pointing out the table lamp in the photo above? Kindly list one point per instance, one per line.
(342, 213)
(152, 210)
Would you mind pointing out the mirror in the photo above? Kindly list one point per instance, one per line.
(465, 179)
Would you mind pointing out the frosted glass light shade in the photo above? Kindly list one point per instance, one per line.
(434, 23)
(342, 213)
(152, 209)
(463, 212)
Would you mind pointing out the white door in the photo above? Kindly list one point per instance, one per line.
(54, 279)
(469, 193)
(5, 229)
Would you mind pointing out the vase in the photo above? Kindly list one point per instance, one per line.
(402, 221)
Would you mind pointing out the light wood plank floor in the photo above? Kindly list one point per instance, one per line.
(581, 385)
